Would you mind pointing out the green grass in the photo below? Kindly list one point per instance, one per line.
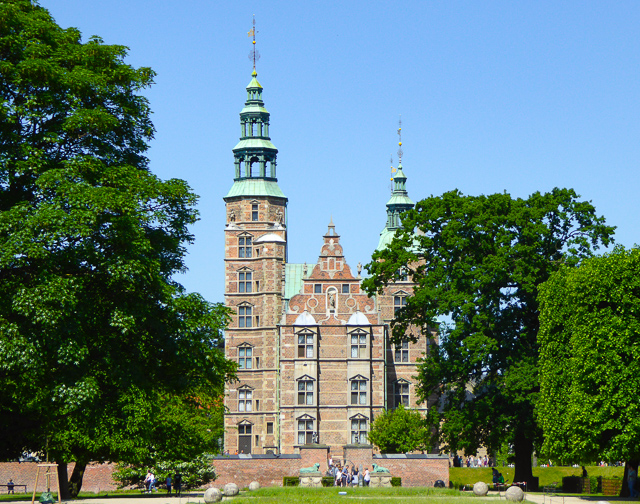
(469, 475)
(297, 495)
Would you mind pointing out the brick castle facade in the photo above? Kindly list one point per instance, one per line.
(316, 365)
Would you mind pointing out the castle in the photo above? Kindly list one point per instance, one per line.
(315, 362)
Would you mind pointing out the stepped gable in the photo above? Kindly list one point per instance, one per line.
(330, 292)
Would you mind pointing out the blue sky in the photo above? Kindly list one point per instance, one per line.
(494, 96)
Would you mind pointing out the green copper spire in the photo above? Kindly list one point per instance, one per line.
(399, 202)
(255, 155)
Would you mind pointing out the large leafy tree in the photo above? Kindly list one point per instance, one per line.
(590, 359)
(102, 353)
(478, 261)
(400, 431)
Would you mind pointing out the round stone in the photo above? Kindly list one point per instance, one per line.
(230, 489)
(603, 502)
(254, 485)
(480, 489)
(212, 495)
(514, 494)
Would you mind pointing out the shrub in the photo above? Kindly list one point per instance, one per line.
(195, 473)
(290, 481)
(328, 481)
(396, 482)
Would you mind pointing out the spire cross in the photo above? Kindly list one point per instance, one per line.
(254, 54)
(400, 141)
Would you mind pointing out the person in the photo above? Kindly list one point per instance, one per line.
(10, 486)
(337, 474)
(168, 481)
(330, 462)
(344, 475)
(354, 476)
(366, 478)
(495, 475)
(632, 475)
(148, 481)
(177, 482)
(584, 472)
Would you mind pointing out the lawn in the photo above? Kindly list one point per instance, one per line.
(296, 495)
(469, 475)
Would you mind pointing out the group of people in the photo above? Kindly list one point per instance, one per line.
(175, 483)
(343, 477)
(472, 461)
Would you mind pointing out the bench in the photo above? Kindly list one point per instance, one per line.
(16, 485)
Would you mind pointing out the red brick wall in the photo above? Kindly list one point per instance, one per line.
(97, 477)
(268, 471)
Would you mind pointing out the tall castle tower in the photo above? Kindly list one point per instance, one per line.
(255, 257)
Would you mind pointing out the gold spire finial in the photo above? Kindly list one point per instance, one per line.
(400, 141)
(254, 54)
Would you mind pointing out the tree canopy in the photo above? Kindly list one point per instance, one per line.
(103, 354)
(400, 431)
(590, 359)
(478, 261)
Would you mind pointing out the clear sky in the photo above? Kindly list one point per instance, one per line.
(494, 96)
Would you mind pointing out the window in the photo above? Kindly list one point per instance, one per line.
(402, 351)
(244, 357)
(305, 392)
(345, 288)
(254, 212)
(359, 346)
(358, 392)
(401, 393)
(269, 427)
(245, 396)
(305, 345)
(244, 246)
(305, 430)
(244, 316)
(317, 288)
(398, 303)
(244, 281)
(358, 430)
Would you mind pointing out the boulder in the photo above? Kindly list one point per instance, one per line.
(212, 495)
(514, 494)
(254, 485)
(230, 489)
(480, 489)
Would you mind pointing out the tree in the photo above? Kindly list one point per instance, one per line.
(103, 355)
(399, 431)
(590, 359)
(479, 260)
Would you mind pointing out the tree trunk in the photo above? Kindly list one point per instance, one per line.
(62, 479)
(523, 446)
(75, 482)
